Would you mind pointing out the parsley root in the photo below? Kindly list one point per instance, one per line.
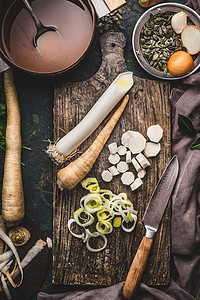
(71, 175)
(12, 190)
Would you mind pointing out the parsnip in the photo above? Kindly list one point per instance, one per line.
(70, 176)
(12, 190)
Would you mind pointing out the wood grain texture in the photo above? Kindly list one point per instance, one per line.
(114, 4)
(137, 268)
(148, 105)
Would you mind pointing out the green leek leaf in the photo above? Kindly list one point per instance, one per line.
(196, 145)
(185, 124)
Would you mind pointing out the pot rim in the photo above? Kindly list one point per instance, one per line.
(13, 64)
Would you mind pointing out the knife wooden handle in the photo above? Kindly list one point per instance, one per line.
(137, 268)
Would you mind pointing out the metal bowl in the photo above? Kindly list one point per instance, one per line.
(193, 18)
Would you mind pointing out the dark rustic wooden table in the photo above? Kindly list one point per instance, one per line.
(36, 102)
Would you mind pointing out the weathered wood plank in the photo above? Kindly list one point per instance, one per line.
(148, 105)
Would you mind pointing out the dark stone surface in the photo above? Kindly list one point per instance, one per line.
(36, 102)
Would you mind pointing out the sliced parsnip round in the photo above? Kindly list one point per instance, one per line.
(106, 176)
(114, 158)
(136, 165)
(113, 171)
(122, 166)
(121, 150)
(151, 149)
(141, 173)
(128, 157)
(155, 133)
(136, 184)
(127, 178)
(190, 38)
(112, 148)
(125, 138)
(143, 161)
(137, 142)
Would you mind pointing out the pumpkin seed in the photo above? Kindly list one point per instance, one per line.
(159, 41)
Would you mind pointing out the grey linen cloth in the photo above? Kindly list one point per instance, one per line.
(185, 223)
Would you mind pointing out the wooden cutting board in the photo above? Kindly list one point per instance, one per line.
(148, 105)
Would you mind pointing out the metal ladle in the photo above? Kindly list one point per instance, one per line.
(41, 29)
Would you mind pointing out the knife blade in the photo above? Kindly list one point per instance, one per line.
(151, 220)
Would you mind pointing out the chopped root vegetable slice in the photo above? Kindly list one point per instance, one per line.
(125, 138)
(151, 149)
(136, 165)
(127, 178)
(114, 159)
(179, 21)
(106, 176)
(141, 173)
(121, 150)
(122, 166)
(113, 171)
(190, 38)
(142, 160)
(128, 157)
(155, 133)
(137, 142)
(136, 184)
(112, 148)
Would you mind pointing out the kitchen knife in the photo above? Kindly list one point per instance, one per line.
(151, 220)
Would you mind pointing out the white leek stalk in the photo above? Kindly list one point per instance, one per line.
(66, 145)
